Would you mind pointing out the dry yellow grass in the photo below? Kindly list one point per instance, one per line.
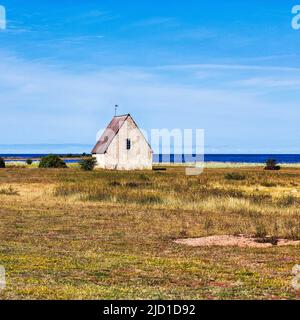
(68, 234)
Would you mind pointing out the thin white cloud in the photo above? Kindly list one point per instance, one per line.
(270, 82)
(228, 67)
(198, 34)
(156, 21)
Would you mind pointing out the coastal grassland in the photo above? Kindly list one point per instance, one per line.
(68, 234)
(208, 165)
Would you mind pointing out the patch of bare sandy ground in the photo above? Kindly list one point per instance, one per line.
(241, 241)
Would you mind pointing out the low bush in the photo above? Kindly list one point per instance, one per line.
(9, 192)
(288, 201)
(273, 240)
(88, 164)
(2, 163)
(29, 162)
(272, 165)
(52, 161)
(260, 230)
(292, 227)
(137, 185)
(268, 184)
(149, 199)
(115, 183)
(234, 176)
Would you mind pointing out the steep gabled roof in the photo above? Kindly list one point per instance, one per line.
(109, 134)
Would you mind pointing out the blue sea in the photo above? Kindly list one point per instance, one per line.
(237, 158)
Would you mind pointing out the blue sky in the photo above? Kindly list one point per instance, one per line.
(230, 67)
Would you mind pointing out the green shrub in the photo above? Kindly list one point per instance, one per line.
(272, 165)
(29, 161)
(260, 198)
(268, 184)
(272, 240)
(288, 201)
(9, 192)
(115, 183)
(208, 225)
(292, 226)
(148, 199)
(234, 176)
(88, 164)
(142, 176)
(260, 230)
(137, 185)
(2, 163)
(52, 161)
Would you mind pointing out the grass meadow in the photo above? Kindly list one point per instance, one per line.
(69, 234)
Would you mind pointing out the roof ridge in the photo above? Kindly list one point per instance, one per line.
(122, 115)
